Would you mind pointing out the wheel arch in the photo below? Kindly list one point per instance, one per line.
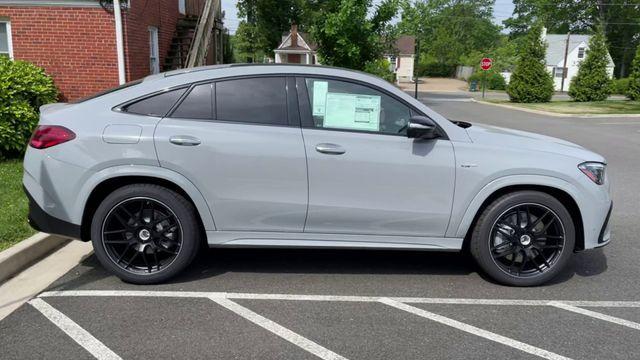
(107, 184)
(561, 194)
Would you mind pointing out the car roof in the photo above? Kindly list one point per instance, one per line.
(292, 67)
(214, 72)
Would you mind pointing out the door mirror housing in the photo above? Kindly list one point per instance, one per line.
(421, 127)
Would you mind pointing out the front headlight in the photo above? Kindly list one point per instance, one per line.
(594, 171)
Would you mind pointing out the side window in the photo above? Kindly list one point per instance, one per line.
(157, 105)
(253, 100)
(197, 105)
(344, 105)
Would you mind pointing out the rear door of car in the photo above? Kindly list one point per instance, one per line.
(239, 141)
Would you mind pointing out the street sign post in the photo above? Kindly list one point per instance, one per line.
(485, 64)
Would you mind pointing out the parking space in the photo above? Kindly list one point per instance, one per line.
(108, 324)
(335, 304)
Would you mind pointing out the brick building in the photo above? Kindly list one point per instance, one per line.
(75, 41)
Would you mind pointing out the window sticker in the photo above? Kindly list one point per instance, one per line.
(352, 111)
(320, 89)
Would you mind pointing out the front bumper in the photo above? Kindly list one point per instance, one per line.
(605, 233)
(41, 221)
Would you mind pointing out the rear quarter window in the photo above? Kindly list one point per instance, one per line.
(155, 105)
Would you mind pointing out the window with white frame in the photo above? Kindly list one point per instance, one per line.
(581, 51)
(154, 58)
(5, 39)
(559, 72)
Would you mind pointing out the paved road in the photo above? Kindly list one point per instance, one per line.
(221, 307)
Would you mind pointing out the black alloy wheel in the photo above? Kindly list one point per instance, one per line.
(526, 240)
(146, 233)
(142, 235)
(523, 238)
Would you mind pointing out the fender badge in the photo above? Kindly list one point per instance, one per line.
(468, 165)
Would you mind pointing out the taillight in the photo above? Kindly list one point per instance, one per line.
(46, 136)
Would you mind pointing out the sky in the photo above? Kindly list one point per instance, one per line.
(501, 10)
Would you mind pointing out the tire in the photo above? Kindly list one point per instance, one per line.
(508, 245)
(162, 237)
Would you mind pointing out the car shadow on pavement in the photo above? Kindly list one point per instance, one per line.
(215, 262)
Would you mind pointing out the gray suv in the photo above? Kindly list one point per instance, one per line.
(304, 156)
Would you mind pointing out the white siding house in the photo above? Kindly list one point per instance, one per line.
(296, 48)
(401, 57)
(577, 51)
(578, 47)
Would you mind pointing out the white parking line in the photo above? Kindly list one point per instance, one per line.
(296, 297)
(75, 331)
(620, 123)
(279, 330)
(474, 330)
(597, 315)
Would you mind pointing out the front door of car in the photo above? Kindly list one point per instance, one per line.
(240, 144)
(365, 175)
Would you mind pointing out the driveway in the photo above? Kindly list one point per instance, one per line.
(329, 304)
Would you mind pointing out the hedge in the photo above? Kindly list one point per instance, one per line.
(435, 69)
(495, 80)
(24, 87)
(620, 86)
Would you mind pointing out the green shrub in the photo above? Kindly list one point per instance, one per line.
(593, 83)
(633, 92)
(381, 68)
(620, 86)
(495, 80)
(435, 69)
(530, 81)
(24, 87)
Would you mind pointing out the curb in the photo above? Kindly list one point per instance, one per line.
(25, 253)
(549, 113)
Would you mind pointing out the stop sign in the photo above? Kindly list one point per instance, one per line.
(486, 63)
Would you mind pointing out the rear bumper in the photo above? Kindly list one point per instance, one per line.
(41, 221)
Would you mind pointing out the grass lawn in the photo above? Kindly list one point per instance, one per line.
(572, 107)
(13, 212)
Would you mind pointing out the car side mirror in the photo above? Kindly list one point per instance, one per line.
(421, 127)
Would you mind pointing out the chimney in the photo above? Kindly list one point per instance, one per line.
(294, 35)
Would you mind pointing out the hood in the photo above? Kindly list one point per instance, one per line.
(503, 137)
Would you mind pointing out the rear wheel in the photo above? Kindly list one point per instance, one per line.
(523, 238)
(145, 233)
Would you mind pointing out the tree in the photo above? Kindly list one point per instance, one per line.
(245, 42)
(592, 83)
(530, 81)
(346, 35)
(449, 30)
(633, 93)
(269, 19)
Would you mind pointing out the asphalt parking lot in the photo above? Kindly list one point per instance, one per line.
(299, 304)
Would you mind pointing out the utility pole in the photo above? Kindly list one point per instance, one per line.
(415, 67)
(564, 65)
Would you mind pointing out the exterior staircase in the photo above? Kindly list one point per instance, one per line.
(182, 38)
(194, 34)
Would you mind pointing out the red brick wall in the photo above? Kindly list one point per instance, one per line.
(162, 14)
(76, 46)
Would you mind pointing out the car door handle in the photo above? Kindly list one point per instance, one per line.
(184, 140)
(331, 149)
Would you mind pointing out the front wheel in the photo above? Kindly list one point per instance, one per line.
(524, 238)
(145, 233)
